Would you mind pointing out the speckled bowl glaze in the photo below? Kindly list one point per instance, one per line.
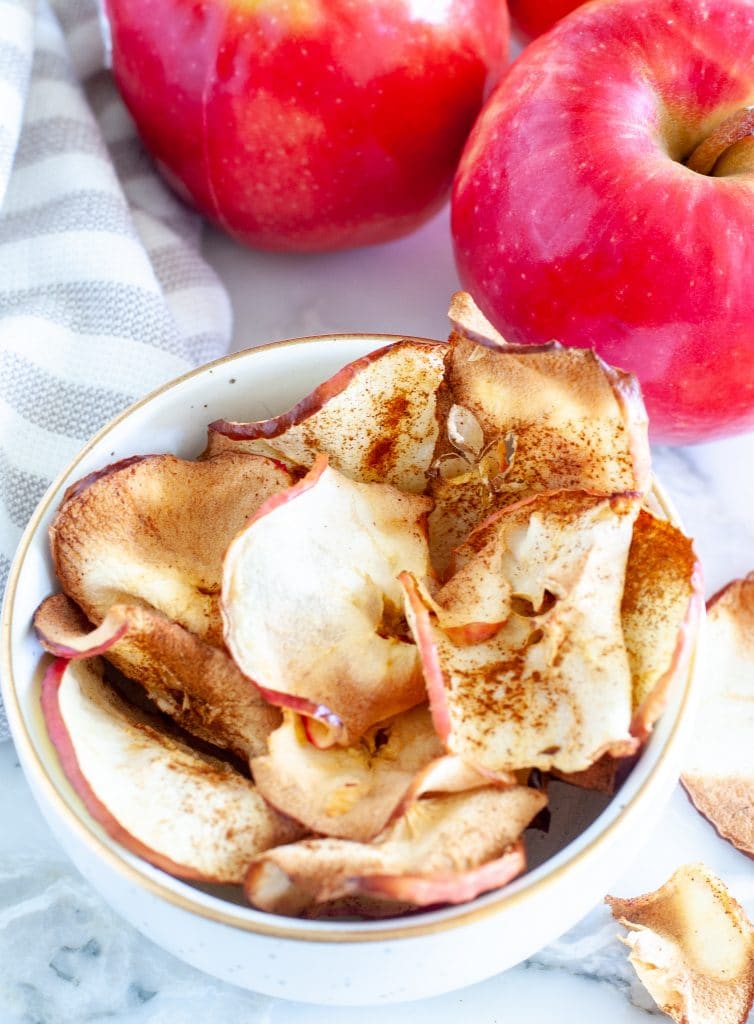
(591, 841)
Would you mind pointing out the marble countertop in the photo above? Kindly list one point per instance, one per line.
(66, 958)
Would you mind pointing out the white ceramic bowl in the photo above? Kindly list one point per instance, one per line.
(592, 840)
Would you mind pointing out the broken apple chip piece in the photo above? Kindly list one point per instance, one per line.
(352, 792)
(375, 419)
(552, 688)
(312, 606)
(444, 849)
(692, 947)
(662, 604)
(719, 769)
(196, 684)
(154, 531)
(185, 812)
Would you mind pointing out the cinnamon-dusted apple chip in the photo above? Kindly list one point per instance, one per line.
(551, 689)
(444, 849)
(352, 792)
(195, 683)
(312, 607)
(546, 418)
(154, 530)
(660, 611)
(189, 814)
(692, 947)
(375, 419)
(719, 768)
(662, 603)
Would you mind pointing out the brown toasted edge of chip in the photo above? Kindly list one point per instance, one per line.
(445, 887)
(653, 705)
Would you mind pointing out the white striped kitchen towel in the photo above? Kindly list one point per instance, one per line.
(103, 292)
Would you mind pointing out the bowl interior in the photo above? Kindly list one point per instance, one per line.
(250, 385)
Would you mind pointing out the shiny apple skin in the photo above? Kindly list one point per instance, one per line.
(308, 124)
(530, 18)
(574, 219)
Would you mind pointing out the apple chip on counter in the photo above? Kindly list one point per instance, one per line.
(184, 811)
(552, 687)
(196, 684)
(467, 523)
(312, 604)
(719, 769)
(692, 947)
(375, 419)
(444, 849)
(154, 531)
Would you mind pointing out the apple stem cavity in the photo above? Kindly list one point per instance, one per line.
(706, 156)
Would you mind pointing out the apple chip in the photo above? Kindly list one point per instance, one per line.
(196, 684)
(542, 418)
(662, 604)
(313, 609)
(692, 947)
(551, 689)
(189, 814)
(444, 849)
(352, 792)
(154, 530)
(375, 419)
(719, 769)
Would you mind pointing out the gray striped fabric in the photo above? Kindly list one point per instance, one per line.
(103, 292)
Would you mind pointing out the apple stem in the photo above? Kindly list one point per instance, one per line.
(734, 128)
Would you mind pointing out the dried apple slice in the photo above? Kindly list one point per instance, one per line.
(546, 418)
(312, 607)
(445, 849)
(154, 530)
(719, 769)
(660, 612)
(551, 689)
(352, 792)
(692, 947)
(187, 813)
(662, 604)
(196, 684)
(375, 419)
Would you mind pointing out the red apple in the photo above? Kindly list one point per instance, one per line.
(314, 124)
(584, 211)
(530, 18)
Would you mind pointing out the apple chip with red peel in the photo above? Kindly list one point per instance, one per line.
(154, 531)
(375, 419)
(662, 604)
(195, 683)
(552, 688)
(312, 607)
(444, 849)
(719, 769)
(189, 814)
(347, 792)
(692, 947)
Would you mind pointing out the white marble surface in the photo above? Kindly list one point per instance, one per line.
(66, 958)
